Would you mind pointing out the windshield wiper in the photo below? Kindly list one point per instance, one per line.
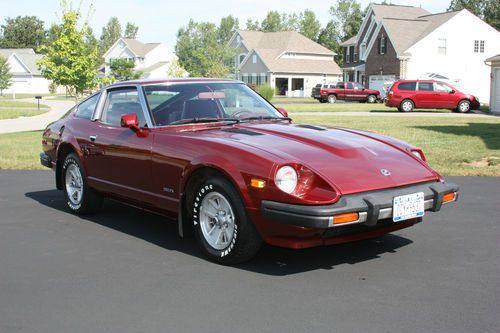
(203, 120)
(266, 118)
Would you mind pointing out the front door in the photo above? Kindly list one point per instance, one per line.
(119, 161)
(445, 96)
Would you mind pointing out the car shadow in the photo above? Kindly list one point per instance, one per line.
(488, 132)
(270, 260)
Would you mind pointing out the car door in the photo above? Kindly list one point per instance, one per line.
(424, 96)
(358, 92)
(119, 161)
(445, 96)
(340, 90)
(349, 91)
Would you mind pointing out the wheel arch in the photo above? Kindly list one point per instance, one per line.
(63, 150)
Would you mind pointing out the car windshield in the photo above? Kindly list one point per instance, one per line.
(179, 103)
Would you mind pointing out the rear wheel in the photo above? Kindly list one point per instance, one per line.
(80, 198)
(223, 231)
(463, 106)
(406, 105)
(371, 99)
(332, 99)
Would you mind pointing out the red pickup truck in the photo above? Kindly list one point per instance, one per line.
(348, 91)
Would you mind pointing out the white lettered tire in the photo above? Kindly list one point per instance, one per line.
(80, 198)
(222, 229)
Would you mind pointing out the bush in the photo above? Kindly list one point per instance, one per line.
(266, 91)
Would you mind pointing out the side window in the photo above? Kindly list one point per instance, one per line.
(349, 85)
(441, 87)
(340, 85)
(425, 86)
(412, 86)
(86, 109)
(120, 102)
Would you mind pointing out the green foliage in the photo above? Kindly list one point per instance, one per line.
(488, 10)
(131, 30)
(110, 34)
(69, 60)
(23, 32)
(123, 69)
(266, 91)
(272, 22)
(226, 29)
(201, 51)
(252, 25)
(329, 37)
(175, 70)
(5, 75)
(309, 25)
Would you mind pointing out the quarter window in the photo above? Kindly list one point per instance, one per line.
(86, 109)
(409, 86)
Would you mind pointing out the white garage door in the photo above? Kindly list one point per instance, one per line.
(495, 98)
(377, 82)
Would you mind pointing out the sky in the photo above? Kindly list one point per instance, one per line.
(159, 21)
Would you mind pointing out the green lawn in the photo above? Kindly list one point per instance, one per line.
(17, 104)
(453, 146)
(18, 96)
(342, 107)
(10, 109)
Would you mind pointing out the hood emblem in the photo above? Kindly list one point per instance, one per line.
(385, 172)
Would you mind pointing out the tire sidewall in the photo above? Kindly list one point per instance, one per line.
(332, 99)
(223, 187)
(407, 101)
(371, 99)
(71, 159)
(459, 109)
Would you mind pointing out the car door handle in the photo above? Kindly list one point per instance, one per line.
(93, 138)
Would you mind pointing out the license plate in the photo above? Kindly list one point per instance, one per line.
(408, 206)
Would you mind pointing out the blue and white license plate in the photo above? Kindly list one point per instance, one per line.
(408, 206)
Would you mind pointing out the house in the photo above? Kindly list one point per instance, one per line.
(152, 59)
(288, 61)
(404, 42)
(26, 77)
(494, 62)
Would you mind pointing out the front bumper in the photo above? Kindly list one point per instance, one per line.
(45, 160)
(371, 206)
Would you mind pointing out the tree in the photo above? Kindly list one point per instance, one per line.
(226, 28)
(110, 34)
(348, 16)
(175, 70)
(252, 26)
(122, 69)
(488, 10)
(23, 32)
(5, 75)
(69, 61)
(272, 22)
(131, 30)
(200, 51)
(329, 37)
(309, 25)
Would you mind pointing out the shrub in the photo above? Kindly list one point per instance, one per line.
(266, 91)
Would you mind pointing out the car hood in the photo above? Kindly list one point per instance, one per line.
(350, 161)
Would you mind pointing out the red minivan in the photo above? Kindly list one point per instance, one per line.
(407, 95)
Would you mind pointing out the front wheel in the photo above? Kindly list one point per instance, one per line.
(223, 231)
(371, 99)
(463, 106)
(406, 106)
(332, 99)
(80, 198)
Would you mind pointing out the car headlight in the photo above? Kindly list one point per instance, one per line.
(286, 179)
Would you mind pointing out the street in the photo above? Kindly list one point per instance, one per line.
(126, 270)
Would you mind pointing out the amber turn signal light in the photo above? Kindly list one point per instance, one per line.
(345, 218)
(257, 183)
(449, 197)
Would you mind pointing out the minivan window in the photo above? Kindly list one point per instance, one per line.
(425, 86)
(441, 87)
(408, 86)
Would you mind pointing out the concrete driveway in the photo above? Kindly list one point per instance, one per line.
(125, 270)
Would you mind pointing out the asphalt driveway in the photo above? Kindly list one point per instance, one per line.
(126, 270)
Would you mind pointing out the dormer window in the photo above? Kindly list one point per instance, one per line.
(238, 39)
(254, 59)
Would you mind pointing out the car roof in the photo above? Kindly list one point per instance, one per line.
(173, 80)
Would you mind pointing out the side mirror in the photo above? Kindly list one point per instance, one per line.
(283, 112)
(131, 121)
(452, 91)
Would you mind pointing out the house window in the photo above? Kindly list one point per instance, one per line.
(351, 52)
(241, 58)
(254, 59)
(479, 46)
(263, 78)
(346, 55)
(442, 46)
(238, 39)
(355, 55)
(382, 46)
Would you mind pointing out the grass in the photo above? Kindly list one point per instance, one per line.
(24, 112)
(16, 104)
(343, 107)
(18, 96)
(453, 146)
(21, 150)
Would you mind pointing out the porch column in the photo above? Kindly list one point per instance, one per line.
(289, 86)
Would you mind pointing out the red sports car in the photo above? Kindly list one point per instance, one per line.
(234, 170)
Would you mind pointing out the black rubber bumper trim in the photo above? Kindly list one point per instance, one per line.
(318, 216)
(45, 160)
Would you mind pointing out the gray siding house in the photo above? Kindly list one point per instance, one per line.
(288, 61)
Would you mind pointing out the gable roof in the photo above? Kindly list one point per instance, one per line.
(270, 46)
(8, 52)
(27, 58)
(138, 48)
(398, 11)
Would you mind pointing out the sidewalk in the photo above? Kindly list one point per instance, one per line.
(57, 109)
